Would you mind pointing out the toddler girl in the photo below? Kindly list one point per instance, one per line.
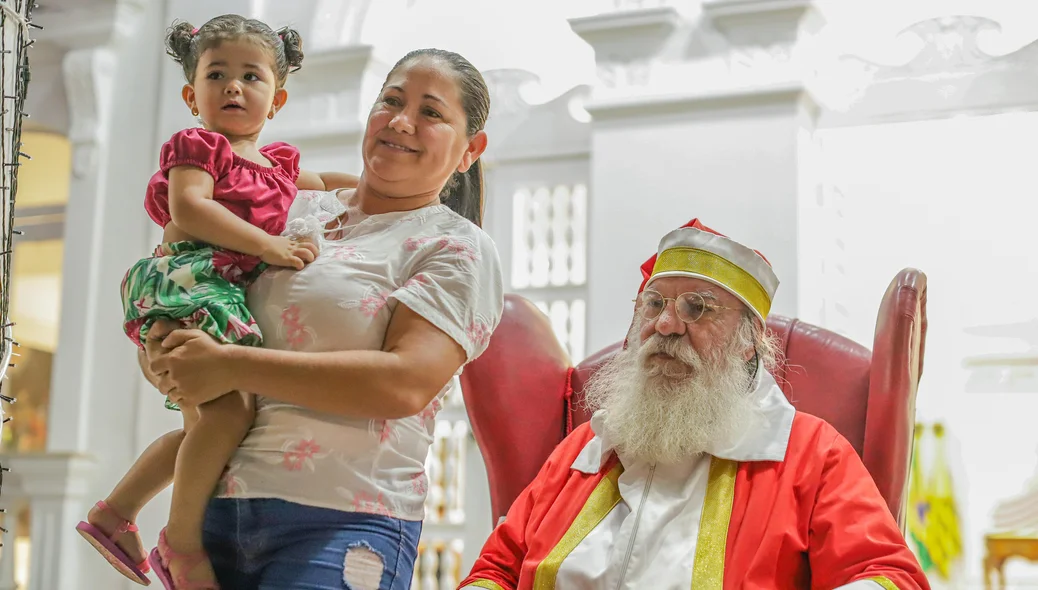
(222, 202)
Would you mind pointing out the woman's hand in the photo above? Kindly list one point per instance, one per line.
(189, 367)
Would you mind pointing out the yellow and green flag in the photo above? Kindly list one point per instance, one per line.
(943, 530)
(918, 506)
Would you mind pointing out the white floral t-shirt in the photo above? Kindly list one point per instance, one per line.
(432, 260)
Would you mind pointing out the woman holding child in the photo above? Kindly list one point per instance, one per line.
(398, 289)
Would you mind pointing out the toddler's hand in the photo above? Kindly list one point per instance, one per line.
(292, 253)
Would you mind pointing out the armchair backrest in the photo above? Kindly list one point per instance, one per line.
(523, 397)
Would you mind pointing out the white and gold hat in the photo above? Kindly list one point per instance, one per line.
(697, 251)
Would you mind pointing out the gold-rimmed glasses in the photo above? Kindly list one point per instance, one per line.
(690, 307)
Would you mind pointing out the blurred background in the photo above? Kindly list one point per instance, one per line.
(844, 139)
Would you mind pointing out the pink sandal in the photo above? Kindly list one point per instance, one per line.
(160, 558)
(105, 545)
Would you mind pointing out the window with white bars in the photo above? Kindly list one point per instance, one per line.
(567, 320)
(549, 257)
(549, 247)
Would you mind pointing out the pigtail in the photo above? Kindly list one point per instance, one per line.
(179, 38)
(293, 44)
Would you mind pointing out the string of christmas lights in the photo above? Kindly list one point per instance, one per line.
(16, 27)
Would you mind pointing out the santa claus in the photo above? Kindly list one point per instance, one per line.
(695, 471)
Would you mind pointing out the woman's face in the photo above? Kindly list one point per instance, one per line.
(416, 135)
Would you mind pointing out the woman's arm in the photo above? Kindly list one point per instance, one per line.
(325, 181)
(415, 363)
(193, 210)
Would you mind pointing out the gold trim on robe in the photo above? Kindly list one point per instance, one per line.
(603, 499)
(484, 584)
(708, 570)
(882, 581)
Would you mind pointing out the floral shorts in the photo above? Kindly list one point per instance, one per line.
(194, 284)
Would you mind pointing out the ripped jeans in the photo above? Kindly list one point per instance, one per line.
(270, 544)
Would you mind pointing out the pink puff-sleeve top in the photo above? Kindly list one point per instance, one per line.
(261, 195)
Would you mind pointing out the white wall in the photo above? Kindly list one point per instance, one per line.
(954, 198)
(735, 168)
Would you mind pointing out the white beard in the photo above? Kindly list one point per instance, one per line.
(664, 413)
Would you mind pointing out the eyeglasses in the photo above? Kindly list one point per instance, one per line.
(690, 307)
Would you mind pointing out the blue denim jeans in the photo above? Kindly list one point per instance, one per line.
(268, 544)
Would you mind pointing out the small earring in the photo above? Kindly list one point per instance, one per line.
(270, 115)
(194, 112)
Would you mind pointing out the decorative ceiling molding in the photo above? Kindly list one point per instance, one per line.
(546, 131)
(757, 22)
(331, 96)
(80, 26)
(756, 98)
(508, 106)
(640, 31)
(949, 75)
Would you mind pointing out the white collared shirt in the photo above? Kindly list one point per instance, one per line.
(649, 538)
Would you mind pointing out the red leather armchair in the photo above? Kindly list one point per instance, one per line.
(523, 396)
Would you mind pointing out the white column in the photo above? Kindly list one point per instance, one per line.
(98, 410)
(703, 119)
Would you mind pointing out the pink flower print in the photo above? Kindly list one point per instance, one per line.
(372, 304)
(386, 432)
(231, 485)
(299, 454)
(345, 253)
(233, 265)
(419, 485)
(295, 330)
(418, 279)
(413, 244)
(458, 248)
(238, 330)
(364, 502)
(479, 333)
(430, 411)
(143, 304)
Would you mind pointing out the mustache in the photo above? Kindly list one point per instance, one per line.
(674, 346)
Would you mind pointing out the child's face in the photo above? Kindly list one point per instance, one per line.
(235, 88)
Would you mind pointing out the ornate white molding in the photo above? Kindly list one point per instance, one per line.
(76, 25)
(338, 23)
(628, 42)
(950, 75)
(641, 28)
(330, 96)
(733, 48)
(545, 132)
(506, 85)
(781, 95)
(88, 75)
(508, 107)
(757, 22)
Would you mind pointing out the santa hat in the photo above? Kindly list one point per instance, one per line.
(695, 250)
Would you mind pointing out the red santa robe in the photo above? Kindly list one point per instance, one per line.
(788, 505)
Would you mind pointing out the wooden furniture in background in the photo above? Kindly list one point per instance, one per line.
(1000, 547)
